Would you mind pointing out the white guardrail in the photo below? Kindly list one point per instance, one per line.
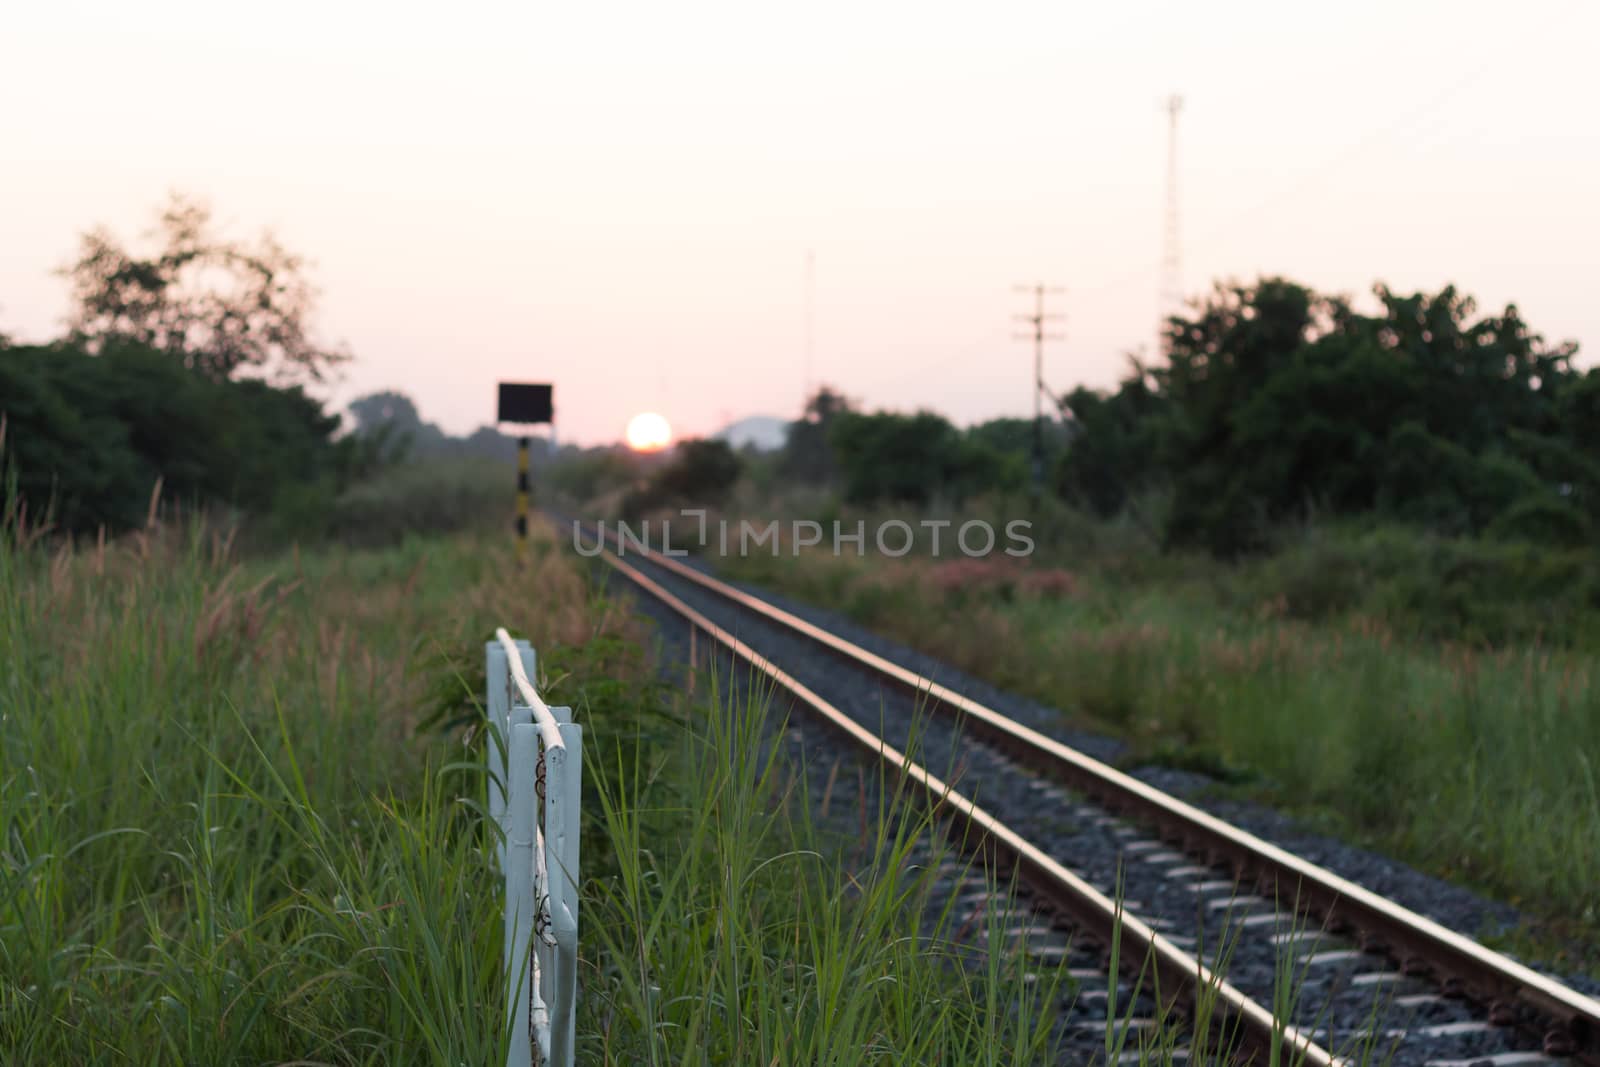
(535, 765)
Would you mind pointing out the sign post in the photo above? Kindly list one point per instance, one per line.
(526, 404)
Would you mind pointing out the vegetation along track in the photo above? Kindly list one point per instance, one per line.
(1342, 966)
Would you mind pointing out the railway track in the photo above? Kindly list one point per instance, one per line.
(1373, 979)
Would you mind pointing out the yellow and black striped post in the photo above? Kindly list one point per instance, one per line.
(522, 498)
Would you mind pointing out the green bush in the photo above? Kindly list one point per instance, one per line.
(89, 436)
(1463, 589)
(423, 498)
(1276, 402)
(699, 472)
(887, 457)
(583, 476)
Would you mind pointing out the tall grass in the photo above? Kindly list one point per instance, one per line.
(424, 498)
(1489, 754)
(740, 928)
(746, 933)
(237, 825)
(221, 840)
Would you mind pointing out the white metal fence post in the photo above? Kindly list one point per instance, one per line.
(497, 703)
(534, 754)
(547, 950)
(564, 882)
(521, 910)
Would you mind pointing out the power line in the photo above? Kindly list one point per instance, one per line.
(1038, 336)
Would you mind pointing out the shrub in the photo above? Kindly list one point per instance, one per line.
(699, 472)
(88, 437)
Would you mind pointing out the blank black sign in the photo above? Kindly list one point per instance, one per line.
(520, 402)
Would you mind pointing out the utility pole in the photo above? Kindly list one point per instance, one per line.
(527, 404)
(1171, 295)
(1038, 337)
(811, 317)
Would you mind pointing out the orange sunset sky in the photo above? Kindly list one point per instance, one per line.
(620, 198)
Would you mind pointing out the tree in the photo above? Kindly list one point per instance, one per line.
(385, 410)
(219, 306)
(700, 472)
(391, 424)
(807, 455)
(1277, 402)
(1112, 448)
(888, 457)
(88, 436)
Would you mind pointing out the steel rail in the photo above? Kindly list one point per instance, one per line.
(1513, 993)
(1179, 975)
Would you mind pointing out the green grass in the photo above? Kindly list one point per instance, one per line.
(737, 930)
(740, 928)
(1481, 765)
(224, 839)
(221, 840)
(239, 823)
(417, 498)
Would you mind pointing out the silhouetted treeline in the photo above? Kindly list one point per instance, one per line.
(390, 417)
(159, 381)
(1278, 403)
(697, 472)
(1275, 404)
(87, 436)
(911, 459)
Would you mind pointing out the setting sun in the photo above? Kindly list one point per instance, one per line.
(649, 432)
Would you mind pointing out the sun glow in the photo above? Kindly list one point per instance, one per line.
(648, 432)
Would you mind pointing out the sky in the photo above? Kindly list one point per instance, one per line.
(620, 199)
